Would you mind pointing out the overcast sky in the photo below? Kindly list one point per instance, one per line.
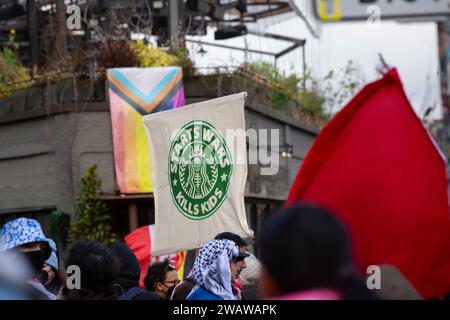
(411, 47)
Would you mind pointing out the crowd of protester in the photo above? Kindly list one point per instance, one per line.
(304, 252)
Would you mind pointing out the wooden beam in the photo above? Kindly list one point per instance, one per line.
(133, 216)
(32, 33)
(61, 28)
(231, 47)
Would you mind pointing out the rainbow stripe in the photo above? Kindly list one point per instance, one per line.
(133, 93)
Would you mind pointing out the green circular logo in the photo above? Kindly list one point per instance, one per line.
(200, 169)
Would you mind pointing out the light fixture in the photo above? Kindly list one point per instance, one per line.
(158, 5)
(286, 151)
(230, 32)
(202, 51)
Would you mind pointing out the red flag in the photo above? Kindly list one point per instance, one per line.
(140, 242)
(376, 166)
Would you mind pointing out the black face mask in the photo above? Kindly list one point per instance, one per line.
(43, 276)
(36, 259)
(170, 291)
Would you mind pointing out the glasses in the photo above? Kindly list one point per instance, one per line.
(168, 267)
(173, 283)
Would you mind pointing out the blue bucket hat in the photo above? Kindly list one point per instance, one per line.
(22, 231)
(53, 260)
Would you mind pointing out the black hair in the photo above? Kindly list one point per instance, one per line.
(98, 267)
(232, 237)
(304, 247)
(157, 273)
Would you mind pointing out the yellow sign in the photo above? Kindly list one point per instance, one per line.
(329, 10)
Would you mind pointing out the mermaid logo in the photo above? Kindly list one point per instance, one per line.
(200, 169)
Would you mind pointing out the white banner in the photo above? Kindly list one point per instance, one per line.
(199, 170)
(345, 10)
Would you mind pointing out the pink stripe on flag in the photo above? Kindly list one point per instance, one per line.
(178, 98)
(117, 124)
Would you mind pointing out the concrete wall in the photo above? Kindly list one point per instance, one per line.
(27, 169)
(277, 186)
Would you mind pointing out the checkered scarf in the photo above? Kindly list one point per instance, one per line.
(212, 267)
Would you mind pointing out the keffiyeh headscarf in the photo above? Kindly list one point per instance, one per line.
(212, 267)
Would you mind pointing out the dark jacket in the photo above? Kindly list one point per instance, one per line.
(183, 289)
(84, 294)
(250, 292)
(129, 272)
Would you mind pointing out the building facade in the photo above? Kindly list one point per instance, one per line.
(51, 133)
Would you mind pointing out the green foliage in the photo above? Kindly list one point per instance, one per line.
(288, 91)
(317, 98)
(92, 218)
(55, 223)
(11, 72)
(339, 87)
(149, 56)
(10, 67)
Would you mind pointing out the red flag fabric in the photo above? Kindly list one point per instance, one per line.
(376, 166)
(140, 242)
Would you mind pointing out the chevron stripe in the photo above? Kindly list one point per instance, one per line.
(126, 98)
(167, 102)
(145, 102)
(138, 108)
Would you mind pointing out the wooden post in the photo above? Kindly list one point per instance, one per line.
(32, 33)
(174, 27)
(133, 216)
(61, 43)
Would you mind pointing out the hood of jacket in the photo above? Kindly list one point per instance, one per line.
(129, 271)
